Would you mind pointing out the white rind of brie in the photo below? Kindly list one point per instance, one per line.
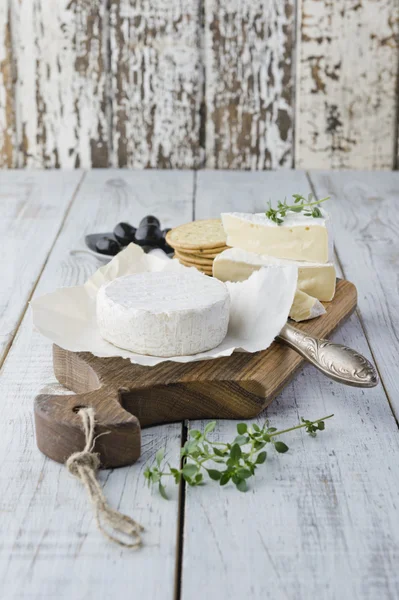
(297, 238)
(164, 313)
(316, 279)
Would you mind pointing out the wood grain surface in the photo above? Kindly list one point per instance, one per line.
(365, 212)
(256, 84)
(316, 518)
(60, 90)
(156, 83)
(33, 207)
(319, 521)
(51, 547)
(347, 88)
(7, 106)
(249, 77)
(320, 518)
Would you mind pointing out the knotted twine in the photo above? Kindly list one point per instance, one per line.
(84, 466)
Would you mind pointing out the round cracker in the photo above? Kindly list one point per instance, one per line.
(207, 233)
(195, 264)
(207, 253)
(193, 258)
(207, 270)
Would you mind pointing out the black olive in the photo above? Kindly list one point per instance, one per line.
(150, 220)
(124, 233)
(148, 235)
(166, 248)
(106, 245)
(163, 244)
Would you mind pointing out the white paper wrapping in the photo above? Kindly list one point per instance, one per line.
(259, 309)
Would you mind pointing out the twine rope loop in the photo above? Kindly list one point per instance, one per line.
(84, 466)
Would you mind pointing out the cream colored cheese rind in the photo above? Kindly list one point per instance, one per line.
(164, 313)
(315, 279)
(298, 238)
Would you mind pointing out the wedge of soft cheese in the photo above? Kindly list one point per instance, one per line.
(165, 313)
(305, 307)
(297, 238)
(316, 279)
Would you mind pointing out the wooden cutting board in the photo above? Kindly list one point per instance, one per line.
(127, 397)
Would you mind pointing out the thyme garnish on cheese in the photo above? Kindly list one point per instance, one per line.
(310, 207)
(238, 459)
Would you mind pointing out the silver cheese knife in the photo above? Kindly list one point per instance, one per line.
(334, 360)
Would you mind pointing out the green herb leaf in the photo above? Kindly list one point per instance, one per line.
(241, 440)
(214, 474)
(225, 478)
(189, 469)
(239, 458)
(244, 473)
(210, 427)
(195, 433)
(162, 491)
(281, 447)
(242, 485)
(219, 452)
(259, 445)
(310, 207)
(235, 453)
(260, 459)
(159, 456)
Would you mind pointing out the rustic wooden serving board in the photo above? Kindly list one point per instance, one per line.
(127, 397)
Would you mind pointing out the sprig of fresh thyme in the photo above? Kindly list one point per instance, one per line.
(300, 203)
(239, 459)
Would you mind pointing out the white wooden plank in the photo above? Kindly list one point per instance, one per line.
(51, 548)
(156, 83)
(33, 206)
(321, 520)
(60, 61)
(346, 91)
(7, 115)
(248, 57)
(365, 210)
(219, 191)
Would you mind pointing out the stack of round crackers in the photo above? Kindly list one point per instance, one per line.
(196, 244)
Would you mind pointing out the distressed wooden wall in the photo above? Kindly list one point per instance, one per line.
(230, 84)
(347, 84)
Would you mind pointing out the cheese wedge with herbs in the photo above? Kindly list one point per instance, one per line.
(298, 238)
(316, 279)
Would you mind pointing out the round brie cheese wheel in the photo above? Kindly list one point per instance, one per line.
(165, 313)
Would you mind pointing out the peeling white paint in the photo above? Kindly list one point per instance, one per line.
(248, 70)
(60, 89)
(156, 83)
(124, 85)
(346, 100)
(7, 124)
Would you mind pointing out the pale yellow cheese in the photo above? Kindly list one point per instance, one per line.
(297, 238)
(305, 307)
(317, 280)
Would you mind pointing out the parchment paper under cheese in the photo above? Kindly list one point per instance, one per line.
(259, 309)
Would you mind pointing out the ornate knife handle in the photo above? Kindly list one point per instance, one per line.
(334, 360)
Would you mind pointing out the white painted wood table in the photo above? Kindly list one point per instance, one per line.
(321, 521)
